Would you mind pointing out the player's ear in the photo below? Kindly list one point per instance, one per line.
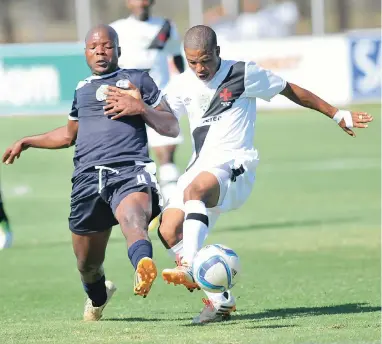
(218, 51)
(119, 51)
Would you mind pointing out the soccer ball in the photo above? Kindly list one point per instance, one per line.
(216, 268)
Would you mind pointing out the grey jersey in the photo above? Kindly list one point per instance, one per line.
(101, 140)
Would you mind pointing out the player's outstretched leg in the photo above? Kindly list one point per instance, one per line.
(133, 214)
(171, 232)
(218, 306)
(90, 252)
(6, 236)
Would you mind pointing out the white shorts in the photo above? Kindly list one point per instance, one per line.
(157, 140)
(233, 191)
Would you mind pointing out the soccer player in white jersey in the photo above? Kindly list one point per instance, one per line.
(147, 42)
(219, 98)
(6, 235)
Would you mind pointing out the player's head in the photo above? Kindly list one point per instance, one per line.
(202, 51)
(102, 49)
(140, 9)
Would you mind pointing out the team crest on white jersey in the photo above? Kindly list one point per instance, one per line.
(124, 83)
(225, 96)
(100, 94)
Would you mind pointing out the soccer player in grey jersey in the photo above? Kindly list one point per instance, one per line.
(114, 178)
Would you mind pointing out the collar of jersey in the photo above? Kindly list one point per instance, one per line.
(221, 67)
(96, 77)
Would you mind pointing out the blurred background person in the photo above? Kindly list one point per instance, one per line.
(148, 43)
(277, 19)
(5, 228)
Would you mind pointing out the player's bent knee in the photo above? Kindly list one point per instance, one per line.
(170, 231)
(194, 192)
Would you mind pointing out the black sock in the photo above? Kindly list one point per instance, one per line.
(140, 249)
(96, 291)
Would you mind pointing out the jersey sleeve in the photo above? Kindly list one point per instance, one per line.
(261, 83)
(151, 95)
(174, 99)
(73, 114)
(173, 45)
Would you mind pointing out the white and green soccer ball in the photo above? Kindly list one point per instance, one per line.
(216, 268)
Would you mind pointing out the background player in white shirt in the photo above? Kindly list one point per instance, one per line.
(219, 98)
(6, 235)
(147, 42)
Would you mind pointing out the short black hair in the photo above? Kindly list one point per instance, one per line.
(102, 27)
(200, 37)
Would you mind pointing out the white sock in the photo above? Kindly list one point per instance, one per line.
(168, 176)
(176, 250)
(216, 297)
(195, 228)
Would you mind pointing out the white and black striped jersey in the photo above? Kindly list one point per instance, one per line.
(222, 112)
(147, 45)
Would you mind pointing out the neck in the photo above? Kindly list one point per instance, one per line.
(112, 70)
(142, 18)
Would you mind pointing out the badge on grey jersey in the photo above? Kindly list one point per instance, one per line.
(100, 94)
(124, 83)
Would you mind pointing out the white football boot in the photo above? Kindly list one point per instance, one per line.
(214, 310)
(92, 313)
(180, 275)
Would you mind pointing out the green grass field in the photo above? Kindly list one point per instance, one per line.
(308, 238)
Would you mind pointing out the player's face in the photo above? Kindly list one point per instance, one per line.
(140, 8)
(102, 53)
(203, 63)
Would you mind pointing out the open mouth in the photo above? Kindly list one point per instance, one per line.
(203, 76)
(101, 63)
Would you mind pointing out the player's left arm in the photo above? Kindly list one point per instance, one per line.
(345, 119)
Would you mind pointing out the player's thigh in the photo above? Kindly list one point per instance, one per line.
(133, 205)
(209, 185)
(135, 193)
(90, 248)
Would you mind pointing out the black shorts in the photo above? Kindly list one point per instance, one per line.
(97, 192)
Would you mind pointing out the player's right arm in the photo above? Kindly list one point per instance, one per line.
(62, 137)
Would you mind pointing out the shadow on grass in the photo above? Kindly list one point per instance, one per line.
(137, 319)
(271, 326)
(291, 224)
(283, 313)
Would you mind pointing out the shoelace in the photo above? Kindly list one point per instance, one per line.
(208, 303)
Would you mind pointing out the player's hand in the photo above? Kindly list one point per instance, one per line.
(360, 120)
(13, 152)
(132, 91)
(123, 102)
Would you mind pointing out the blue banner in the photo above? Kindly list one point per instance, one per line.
(365, 59)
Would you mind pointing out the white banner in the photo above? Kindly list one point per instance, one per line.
(319, 64)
